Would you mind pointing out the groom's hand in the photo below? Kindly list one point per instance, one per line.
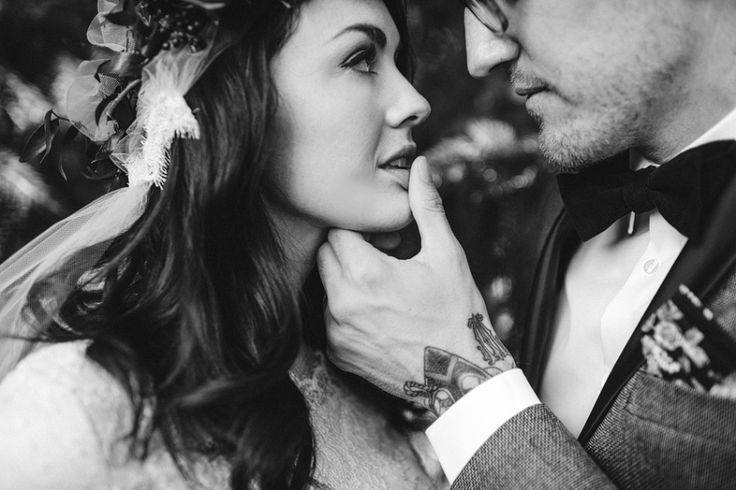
(416, 328)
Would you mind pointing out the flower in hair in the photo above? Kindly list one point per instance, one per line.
(132, 104)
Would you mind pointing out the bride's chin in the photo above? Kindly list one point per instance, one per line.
(397, 222)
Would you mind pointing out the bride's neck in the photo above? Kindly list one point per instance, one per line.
(300, 241)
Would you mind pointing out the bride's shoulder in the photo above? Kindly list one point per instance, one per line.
(59, 415)
(64, 374)
(53, 363)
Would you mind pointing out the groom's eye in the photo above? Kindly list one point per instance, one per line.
(363, 60)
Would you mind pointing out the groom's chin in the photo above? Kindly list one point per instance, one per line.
(569, 151)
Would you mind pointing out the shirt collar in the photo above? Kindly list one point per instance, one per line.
(725, 129)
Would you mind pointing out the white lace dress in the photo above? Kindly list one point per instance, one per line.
(63, 422)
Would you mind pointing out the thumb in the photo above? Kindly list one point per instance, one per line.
(426, 206)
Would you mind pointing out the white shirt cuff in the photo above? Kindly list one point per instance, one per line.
(461, 431)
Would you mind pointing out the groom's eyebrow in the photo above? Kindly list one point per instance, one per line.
(373, 32)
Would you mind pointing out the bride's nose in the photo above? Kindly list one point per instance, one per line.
(408, 108)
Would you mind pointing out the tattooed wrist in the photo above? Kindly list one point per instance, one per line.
(448, 377)
(494, 352)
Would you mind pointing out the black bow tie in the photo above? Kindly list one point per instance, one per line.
(683, 190)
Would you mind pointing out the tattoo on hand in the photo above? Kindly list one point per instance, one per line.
(448, 377)
(494, 352)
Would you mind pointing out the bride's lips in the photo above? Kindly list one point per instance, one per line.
(399, 164)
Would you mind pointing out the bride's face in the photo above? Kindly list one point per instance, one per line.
(345, 118)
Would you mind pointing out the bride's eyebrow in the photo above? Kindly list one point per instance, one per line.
(373, 32)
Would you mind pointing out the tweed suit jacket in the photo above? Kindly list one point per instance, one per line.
(643, 432)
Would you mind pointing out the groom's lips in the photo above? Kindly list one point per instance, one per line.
(529, 91)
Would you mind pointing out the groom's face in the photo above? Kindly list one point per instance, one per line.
(599, 75)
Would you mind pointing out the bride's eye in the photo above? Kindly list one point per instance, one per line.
(363, 60)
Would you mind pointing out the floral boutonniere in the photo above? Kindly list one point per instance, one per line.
(683, 343)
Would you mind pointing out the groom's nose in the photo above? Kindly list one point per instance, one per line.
(486, 49)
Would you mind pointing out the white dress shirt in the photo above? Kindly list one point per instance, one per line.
(608, 285)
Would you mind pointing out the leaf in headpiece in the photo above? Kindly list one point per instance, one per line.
(104, 170)
(123, 14)
(51, 130)
(34, 146)
(102, 154)
(156, 40)
(101, 167)
(123, 65)
(122, 18)
(123, 113)
(50, 124)
(42, 139)
(100, 109)
(60, 168)
(108, 172)
(117, 108)
(69, 135)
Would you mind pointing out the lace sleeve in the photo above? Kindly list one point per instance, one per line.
(46, 436)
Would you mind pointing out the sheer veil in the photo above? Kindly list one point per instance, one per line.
(142, 152)
(48, 253)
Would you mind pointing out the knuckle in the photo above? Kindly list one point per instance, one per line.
(458, 254)
(339, 312)
(362, 273)
(322, 264)
(322, 251)
(333, 235)
(333, 336)
(452, 253)
(337, 339)
(332, 354)
(337, 307)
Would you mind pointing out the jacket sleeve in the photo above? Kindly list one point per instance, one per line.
(532, 450)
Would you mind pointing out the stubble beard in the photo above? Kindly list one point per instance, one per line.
(612, 112)
(584, 139)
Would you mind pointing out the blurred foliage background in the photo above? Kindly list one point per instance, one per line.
(479, 141)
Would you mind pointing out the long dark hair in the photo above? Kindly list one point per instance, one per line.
(191, 306)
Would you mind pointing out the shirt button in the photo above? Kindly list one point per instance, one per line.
(651, 266)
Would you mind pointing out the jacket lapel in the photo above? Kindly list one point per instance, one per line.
(561, 243)
(700, 266)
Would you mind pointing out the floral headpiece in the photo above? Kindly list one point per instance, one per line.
(132, 104)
